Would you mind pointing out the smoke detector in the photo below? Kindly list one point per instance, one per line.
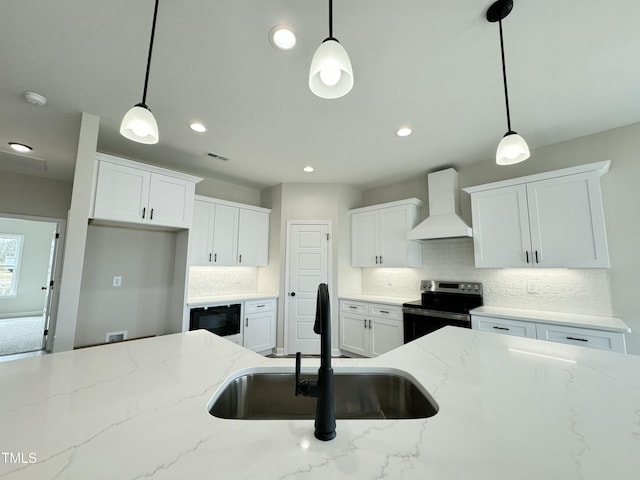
(35, 98)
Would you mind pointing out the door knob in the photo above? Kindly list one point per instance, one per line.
(293, 294)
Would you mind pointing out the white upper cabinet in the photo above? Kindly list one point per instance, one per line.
(227, 233)
(133, 192)
(547, 220)
(379, 235)
(253, 237)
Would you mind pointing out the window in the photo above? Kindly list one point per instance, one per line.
(10, 255)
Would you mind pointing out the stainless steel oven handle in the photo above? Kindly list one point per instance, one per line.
(435, 313)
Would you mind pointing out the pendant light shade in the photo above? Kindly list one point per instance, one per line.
(139, 124)
(512, 148)
(330, 75)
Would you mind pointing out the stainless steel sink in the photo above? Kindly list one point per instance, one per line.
(359, 394)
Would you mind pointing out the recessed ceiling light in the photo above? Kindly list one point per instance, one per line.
(308, 169)
(19, 147)
(282, 37)
(35, 98)
(404, 132)
(198, 127)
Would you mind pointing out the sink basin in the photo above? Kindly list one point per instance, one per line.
(256, 394)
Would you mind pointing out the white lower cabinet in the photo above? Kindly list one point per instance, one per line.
(569, 334)
(517, 328)
(583, 337)
(370, 329)
(259, 327)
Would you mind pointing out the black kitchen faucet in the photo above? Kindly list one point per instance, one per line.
(322, 388)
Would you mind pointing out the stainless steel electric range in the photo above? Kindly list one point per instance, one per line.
(442, 303)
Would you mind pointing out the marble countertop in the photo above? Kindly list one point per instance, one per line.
(222, 299)
(611, 324)
(397, 301)
(510, 408)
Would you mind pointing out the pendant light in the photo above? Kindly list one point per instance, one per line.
(512, 148)
(139, 123)
(330, 75)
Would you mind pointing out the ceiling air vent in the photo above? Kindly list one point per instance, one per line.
(217, 156)
(15, 162)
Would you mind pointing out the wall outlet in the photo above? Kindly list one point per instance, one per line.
(117, 281)
(532, 286)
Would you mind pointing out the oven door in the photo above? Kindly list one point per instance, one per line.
(419, 322)
(223, 320)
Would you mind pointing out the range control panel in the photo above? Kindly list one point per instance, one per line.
(452, 287)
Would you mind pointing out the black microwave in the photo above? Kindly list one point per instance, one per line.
(223, 320)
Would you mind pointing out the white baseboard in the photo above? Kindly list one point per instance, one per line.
(280, 352)
(21, 314)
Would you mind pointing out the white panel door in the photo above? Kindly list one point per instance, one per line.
(307, 252)
(170, 201)
(122, 193)
(501, 228)
(253, 238)
(225, 235)
(567, 222)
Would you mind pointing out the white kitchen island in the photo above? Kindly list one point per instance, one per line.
(138, 410)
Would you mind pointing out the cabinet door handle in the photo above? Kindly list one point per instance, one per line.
(209, 258)
(501, 328)
(144, 211)
(215, 257)
(537, 261)
(151, 215)
(380, 259)
(365, 323)
(369, 324)
(376, 259)
(577, 339)
(527, 254)
(240, 259)
(246, 321)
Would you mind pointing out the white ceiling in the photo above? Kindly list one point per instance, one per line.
(572, 66)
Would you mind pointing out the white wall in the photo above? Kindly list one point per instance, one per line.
(611, 291)
(29, 195)
(34, 266)
(303, 201)
(145, 260)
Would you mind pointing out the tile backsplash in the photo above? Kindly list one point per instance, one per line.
(583, 291)
(207, 281)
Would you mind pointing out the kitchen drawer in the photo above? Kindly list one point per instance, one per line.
(582, 337)
(260, 306)
(385, 311)
(504, 326)
(354, 307)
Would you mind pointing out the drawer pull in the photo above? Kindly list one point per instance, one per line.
(353, 307)
(384, 311)
(260, 306)
(577, 339)
(501, 328)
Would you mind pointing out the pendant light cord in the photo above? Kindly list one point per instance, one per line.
(504, 77)
(153, 33)
(331, 19)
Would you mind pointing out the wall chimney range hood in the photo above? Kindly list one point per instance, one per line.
(444, 206)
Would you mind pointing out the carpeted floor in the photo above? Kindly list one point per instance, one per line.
(24, 334)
